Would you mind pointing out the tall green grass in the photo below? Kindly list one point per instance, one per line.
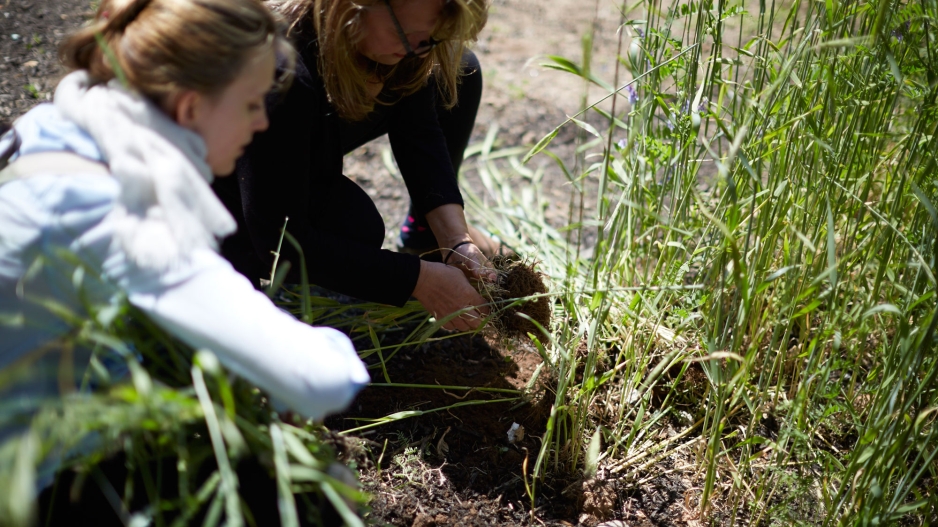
(764, 221)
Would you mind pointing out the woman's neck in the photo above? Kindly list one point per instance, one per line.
(374, 88)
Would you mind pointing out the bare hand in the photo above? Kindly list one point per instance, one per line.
(444, 290)
(473, 263)
(448, 223)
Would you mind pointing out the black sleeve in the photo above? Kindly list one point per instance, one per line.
(278, 177)
(420, 151)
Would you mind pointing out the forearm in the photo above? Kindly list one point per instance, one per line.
(421, 152)
(448, 223)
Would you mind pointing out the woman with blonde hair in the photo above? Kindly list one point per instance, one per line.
(107, 196)
(366, 68)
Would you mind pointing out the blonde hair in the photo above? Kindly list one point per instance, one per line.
(336, 27)
(164, 47)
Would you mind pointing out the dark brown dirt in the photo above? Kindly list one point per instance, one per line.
(517, 279)
(30, 32)
(455, 466)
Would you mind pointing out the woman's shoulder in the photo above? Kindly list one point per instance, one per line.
(56, 188)
(45, 129)
(306, 68)
(305, 93)
(304, 86)
(56, 202)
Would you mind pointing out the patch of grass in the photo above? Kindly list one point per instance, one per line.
(33, 91)
(765, 212)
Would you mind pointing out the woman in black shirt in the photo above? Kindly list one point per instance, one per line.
(368, 67)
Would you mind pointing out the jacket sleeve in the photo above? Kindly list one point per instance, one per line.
(314, 371)
(421, 153)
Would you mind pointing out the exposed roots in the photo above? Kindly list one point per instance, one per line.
(517, 279)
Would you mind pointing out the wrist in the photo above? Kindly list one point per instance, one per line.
(449, 252)
(425, 279)
(448, 223)
(450, 243)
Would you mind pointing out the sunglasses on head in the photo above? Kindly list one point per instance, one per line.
(422, 48)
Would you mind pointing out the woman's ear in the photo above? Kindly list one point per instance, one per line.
(186, 108)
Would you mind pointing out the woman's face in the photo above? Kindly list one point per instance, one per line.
(382, 43)
(228, 121)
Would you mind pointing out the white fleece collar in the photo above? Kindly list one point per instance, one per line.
(167, 207)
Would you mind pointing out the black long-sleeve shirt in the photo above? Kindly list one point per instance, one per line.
(284, 173)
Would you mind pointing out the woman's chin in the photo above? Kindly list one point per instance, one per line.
(222, 169)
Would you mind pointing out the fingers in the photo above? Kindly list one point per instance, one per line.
(444, 290)
(470, 259)
(482, 270)
(459, 324)
(470, 316)
(468, 321)
(486, 274)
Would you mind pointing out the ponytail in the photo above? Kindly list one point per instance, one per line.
(162, 47)
(82, 51)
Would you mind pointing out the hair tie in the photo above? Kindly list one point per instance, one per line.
(451, 251)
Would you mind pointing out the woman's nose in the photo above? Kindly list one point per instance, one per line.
(417, 39)
(262, 122)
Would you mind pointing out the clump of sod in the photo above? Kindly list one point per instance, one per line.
(518, 278)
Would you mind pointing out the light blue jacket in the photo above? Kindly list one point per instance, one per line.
(56, 244)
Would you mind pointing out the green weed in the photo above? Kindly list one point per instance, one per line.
(765, 253)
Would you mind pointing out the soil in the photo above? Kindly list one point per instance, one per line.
(457, 465)
(454, 466)
(518, 278)
(30, 32)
